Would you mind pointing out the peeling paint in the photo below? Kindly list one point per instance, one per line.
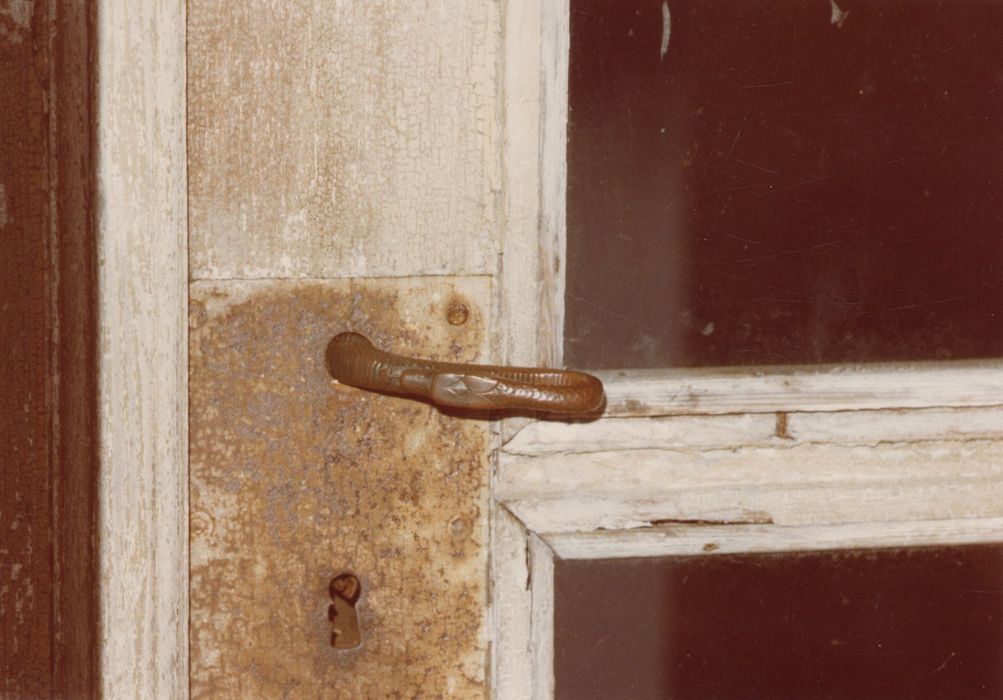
(838, 16)
(295, 479)
(15, 20)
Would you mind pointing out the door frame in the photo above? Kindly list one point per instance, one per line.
(721, 461)
(139, 108)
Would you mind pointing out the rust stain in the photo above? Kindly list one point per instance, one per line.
(782, 429)
(457, 312)
(295, 479)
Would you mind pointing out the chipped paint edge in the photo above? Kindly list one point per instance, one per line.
(692, 540)
(823, 388)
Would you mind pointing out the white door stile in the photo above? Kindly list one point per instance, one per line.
(142, 297)
(541, 558)
(511, 664)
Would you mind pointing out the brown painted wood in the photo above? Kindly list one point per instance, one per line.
(75, 473)
(48, 630)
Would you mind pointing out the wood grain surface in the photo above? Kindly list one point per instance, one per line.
(350, 139)
(48, 594)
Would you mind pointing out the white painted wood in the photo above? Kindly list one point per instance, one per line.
(339, 139)
(799, 485)
(142, 307)
(874, 427)
(556, 35)
(529, 304)
(511, 608)
(756, 430)
(823, 388)
(520, 288)
(683, 540)
(541, 559)
(621, 434)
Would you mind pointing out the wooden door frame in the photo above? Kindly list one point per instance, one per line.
(99, 506)
(48, 601)
(139, 64)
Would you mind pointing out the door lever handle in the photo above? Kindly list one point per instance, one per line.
(353, 360)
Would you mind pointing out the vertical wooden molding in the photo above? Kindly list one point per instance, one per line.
(535, 115)
(511, 607)
(541, 562)
(520, 278)
(73, 350)
(555, 26)
(48, 598)
(27, 624)
(529, 324)
(142, 303)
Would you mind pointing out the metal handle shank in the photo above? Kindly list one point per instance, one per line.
(353, 360)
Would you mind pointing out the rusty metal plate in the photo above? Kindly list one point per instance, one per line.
(296, 479)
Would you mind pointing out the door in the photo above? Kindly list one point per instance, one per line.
(343, 174)
(600, 525)
(400, 171)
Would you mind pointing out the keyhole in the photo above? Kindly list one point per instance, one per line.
(345, 591)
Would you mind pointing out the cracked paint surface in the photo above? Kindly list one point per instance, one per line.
(295, 479)
(338, 139)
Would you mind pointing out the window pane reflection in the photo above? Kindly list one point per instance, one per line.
(889, 624)
(787, 184)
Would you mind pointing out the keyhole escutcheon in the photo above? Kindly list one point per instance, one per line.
(345, 590)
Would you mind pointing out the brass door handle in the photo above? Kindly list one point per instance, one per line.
(353, 360)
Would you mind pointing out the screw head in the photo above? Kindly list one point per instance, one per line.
(457, 313)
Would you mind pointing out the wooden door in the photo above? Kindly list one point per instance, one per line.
(399, 170)
(697, 462)
(344, 175)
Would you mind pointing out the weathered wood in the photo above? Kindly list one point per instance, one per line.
(142, 295)
(824, 388)
(735, 431)
(803, 484)
(675, 432)
(48, 598)
(682, 540)
(26, 571)
(556, 38)
(74, 346)
(349, 139)
(541, 563)
(511, 607)
(520, 287)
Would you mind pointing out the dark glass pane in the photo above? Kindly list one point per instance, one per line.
(877, 624)
(786, 184)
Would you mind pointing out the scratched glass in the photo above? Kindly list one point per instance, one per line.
(892, 624)
(769, 182)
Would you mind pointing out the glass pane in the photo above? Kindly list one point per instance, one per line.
(784, 182)
(905, 623)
